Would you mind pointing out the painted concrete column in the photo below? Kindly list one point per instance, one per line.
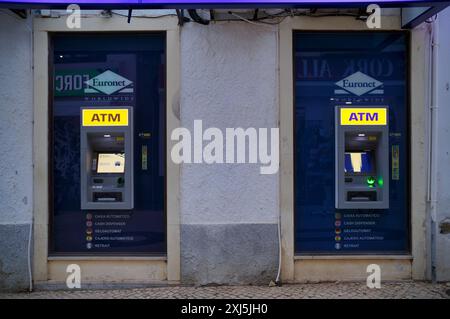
(16, 113)
(229, 79)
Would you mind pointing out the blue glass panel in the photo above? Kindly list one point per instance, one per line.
(321, 61)
(140, 58)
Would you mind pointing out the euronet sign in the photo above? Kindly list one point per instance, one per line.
(154, 3)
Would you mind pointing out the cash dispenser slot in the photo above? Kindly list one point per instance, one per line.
(107, 197)
(362, 196)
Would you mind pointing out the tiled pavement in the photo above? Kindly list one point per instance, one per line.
(389, 290)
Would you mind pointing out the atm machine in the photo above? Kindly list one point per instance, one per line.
(362, 157)
(106, 157)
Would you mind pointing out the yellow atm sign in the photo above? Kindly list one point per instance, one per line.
(363, 116)
(104, 117)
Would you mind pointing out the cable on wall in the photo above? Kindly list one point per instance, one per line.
(196, 18)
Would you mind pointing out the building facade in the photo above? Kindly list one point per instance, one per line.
(210, 222)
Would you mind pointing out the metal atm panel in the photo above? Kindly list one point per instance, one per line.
(362, 157)
(106, 157)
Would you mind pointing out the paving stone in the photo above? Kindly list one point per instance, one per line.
(335, 290)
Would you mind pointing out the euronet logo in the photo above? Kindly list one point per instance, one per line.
(241, 146)
(108, 83)
(359, 83)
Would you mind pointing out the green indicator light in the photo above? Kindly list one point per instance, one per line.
(370, 181)
(380, 182)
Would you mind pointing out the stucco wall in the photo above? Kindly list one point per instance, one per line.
(442, 241)
(229, 78)
(16, 156)
(228, 211)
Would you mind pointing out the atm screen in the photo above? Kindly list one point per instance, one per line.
(111, 163)
(359, 163)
